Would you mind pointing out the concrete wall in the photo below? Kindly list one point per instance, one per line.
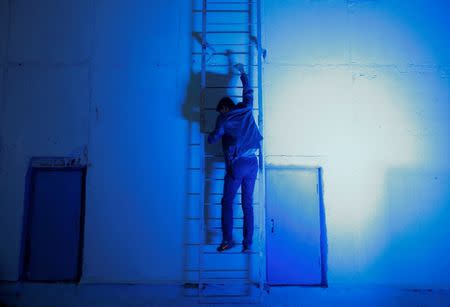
(362, 89)
(106, 79)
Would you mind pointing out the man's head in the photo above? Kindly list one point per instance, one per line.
(225, 105)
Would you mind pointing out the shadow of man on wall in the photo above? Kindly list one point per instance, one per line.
(201, 120)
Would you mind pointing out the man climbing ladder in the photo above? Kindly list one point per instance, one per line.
(240, 143)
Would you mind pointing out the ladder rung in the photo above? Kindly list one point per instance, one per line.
(218, 218)
(230, 44)
(222, 270)
(220, 228)
(230, 24)
(234, 204)
(224, 53)
(212, 218)
(221, 11)
(215, 246)
(231, 2)
(228, 280)
(229, 300)
(227, 32)
(231, 253)
(216, 179)
(216, 270)
(219, 193)
(222, 87)
(214, 109)
(236, 96)
(204, 244)
(226, 65)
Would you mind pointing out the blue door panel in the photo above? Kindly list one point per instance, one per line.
(293, 226)
(55, 226)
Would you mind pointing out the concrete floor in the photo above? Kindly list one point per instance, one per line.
(61, 295)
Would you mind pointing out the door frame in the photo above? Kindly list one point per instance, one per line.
(30, 181)
(322, 222)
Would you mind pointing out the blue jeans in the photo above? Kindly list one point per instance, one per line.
(242, 173)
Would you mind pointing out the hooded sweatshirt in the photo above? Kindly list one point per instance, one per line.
(237, 128)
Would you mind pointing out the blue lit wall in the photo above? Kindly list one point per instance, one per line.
(107, 78)
(362, 89)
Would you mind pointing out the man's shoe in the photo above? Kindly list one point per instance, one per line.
(224, 246)
(246, 249)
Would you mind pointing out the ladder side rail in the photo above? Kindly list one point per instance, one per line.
(202, 150)
(261, 152)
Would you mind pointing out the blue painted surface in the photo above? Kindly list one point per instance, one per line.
(363, 86)
(293, 227)
(53, 249)
(62, 295)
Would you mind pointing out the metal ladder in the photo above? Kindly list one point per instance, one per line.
(230, 33)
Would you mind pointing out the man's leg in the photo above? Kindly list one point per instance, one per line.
(230, 188)
(248, 186)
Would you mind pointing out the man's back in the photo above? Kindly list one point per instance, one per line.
(240, 125)
(237, 128)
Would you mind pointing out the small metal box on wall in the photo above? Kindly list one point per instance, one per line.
(53, 220)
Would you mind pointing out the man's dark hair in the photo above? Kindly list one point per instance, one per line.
(225, 102)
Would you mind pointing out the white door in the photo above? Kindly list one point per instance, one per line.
(293, 226)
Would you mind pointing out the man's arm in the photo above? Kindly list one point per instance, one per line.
(247, 92)
(217, 133)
